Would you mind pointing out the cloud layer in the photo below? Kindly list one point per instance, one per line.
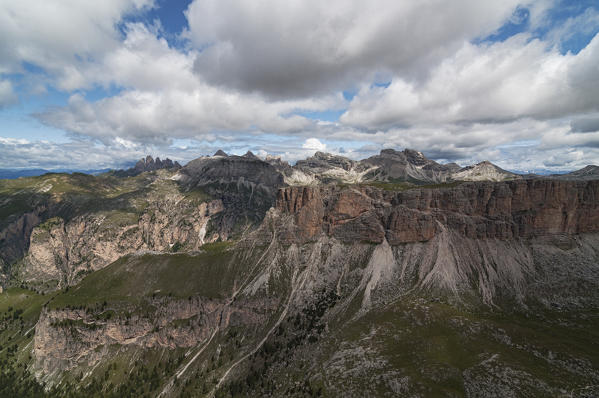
(303, 48)
(502, 82)
(295, 77)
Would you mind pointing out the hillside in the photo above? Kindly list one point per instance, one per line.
(232, 276)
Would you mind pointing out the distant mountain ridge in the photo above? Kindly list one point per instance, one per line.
(390, 165)
(590, 172)
(11, 174)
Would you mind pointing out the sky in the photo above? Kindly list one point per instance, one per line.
(99, 84)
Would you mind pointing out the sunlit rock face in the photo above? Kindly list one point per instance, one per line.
(505, 210)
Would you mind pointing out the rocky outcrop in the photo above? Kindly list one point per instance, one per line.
(504, 210)
(61, 253)
(14, 237)
(66, 338)
(484, 171)
(590, 172)
(326, 168)
(229, 169)
(246, 185)
(408, 165)
(517, 240)
(148, 164)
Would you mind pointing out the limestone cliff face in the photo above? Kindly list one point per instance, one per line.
(65, 338)
(61, 253)
(246, 185)
(14, 237)
(503, 210)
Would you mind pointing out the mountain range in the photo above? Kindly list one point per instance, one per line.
(240, 276)
(17, 173)
(407, 165)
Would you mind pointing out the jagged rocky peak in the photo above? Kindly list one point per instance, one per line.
(247, 185)
(390, 165)
(144, 164)
(220, 152)
(453, 166)
(408, 165)
(415, 157)
(148, 164)
(275, 160)
(389, 152)
(280, 165)
(250, 155)
(326, 160)
(407, 153)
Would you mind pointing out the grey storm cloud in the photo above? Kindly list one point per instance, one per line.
(585, 125)
(301, 48)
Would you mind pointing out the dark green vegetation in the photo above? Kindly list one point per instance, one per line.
(415, 345)
(450, 351)
(19, 311)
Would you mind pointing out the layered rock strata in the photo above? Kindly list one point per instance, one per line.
(484, 210)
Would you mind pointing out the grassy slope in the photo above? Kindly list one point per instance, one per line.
(124, 284)
(81, 192)
(429, 344)
(131, 278)
(128, 283)
(423, 347)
